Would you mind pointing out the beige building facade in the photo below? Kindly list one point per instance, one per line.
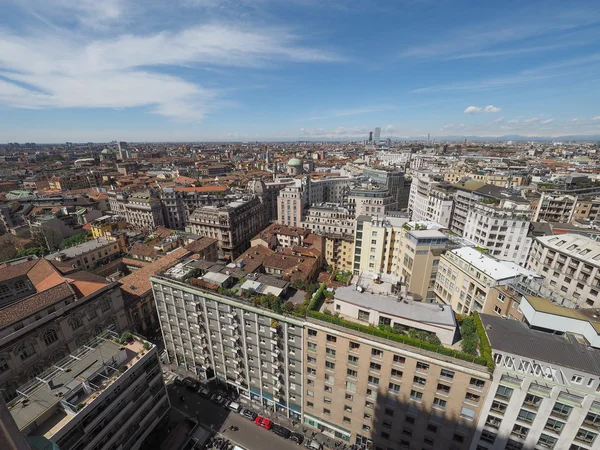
(387, 395)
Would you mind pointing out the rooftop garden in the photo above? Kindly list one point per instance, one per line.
(485, 359)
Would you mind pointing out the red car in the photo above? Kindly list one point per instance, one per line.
(263, 422)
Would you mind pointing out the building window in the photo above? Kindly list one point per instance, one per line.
(526, 416)
(399, 359)
(50, 336)
(26, 351)
(3, 365)
(363, 315)
(438, 403)
(520, 431)
(91, 314)
(75, 323)
(561, 411)
(546, 441)
(504, 392)
(416, 396)
(331, 339)
(394, 388)
(585, 436)
(445, 373)
(488, 436)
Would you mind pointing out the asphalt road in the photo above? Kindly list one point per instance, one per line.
(249, 435)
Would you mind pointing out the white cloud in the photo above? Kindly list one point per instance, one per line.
(472, 110)
(53, 71)
(532, 120)
(390, 129)
(596, 118)
(476, 109)
(499, 120)
(546, 122)
(513, 121)
(575, 119)
(491, 109)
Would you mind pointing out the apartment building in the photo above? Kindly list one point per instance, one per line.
(298, 194)
(323, 218)
(180, 202)
(468, 280)
(253, 350)
(417, 256)
(142, 209)
(339, 251)
(370, 200)
(473, 200)
(291, 202)
(587, 208)
(544, 390)
(408, 251)
(107, 224)
(91, 254)
(555, 208)
(374, 243)
(105, 394)
(501, 226)
(570, 265)
(47, 311)
(382, 394)
(392, 179)
(233, 225)
(431, 199)
(75, 181)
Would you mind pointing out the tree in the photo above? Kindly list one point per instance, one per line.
(71, 241)
(288, 306)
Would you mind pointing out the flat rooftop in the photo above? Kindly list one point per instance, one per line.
(81, 249)
(515, 337)
(392, 305)
(61, 387)
(494, 268)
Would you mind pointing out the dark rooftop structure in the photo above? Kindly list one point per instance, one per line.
(512, 336)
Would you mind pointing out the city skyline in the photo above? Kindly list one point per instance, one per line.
(271, 70)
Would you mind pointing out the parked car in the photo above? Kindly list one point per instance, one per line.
(204, 392)
(248, 414)
(313, 445)
(179, 380)
(281, 431)
(191, 384)
(263, 422)
(233, 406)
(297, 438)
(217, 398)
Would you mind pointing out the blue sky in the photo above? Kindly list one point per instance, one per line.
(151, 70)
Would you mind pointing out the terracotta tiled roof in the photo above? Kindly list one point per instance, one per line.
(35, 303)
(10, 271)
(201, 244)
(138, 283)
(208, 188)
(139, 249)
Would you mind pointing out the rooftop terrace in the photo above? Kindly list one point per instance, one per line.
(48, 402)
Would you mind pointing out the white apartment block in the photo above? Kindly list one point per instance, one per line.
(467, 278)
(501, 227)
(430, 199)
(544, 393)
(105, 395)
(371, 200)
(326, 218)
(570, 264)
(253, 350)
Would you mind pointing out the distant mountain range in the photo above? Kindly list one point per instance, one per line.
(516, 137)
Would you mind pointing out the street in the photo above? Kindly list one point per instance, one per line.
(249, 435)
